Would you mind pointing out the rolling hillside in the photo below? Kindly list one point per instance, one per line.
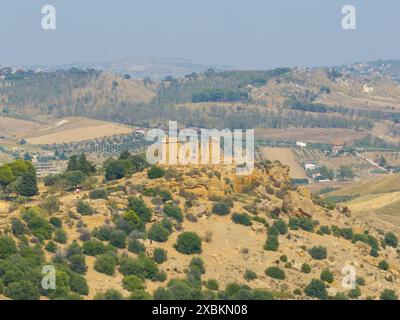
(376, 201)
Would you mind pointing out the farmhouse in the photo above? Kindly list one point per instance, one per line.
(337, 147)
(301, 144)
(310, 166)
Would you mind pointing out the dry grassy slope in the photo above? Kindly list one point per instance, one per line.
(69, 129)
(376, 201)
(372, 92)
(368, 93)
(130, 90)
(234, 248)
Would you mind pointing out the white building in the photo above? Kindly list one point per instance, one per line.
(301, 144)
(310, 166)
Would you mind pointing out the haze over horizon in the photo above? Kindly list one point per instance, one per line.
(252, 34)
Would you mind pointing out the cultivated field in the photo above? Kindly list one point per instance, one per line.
(73, 130)
(81, 134)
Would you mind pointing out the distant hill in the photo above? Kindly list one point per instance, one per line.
(360, 97)
(141, 67)
(390, 68)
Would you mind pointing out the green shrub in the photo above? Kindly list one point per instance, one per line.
(272, 231)
(303, 223)
(73, 249)
(163, 294)
(177, 290)
(325, 230)
(51, 247)
(158, 233)
(51, 204)
(78, 284)
(388, 295)
(142, 267)
(384, 265)
(117, 169)
(318, 253)
(360, 281)
(212, 284)
(305, 268)
(140, 295)
(155, 172)
(93, 248)
(133, 283)
(340, 296)
(38, 226)
(188, 243)
(283, 258)
(327, 276)
(368, 239)
(167, 224)
(129, 222)
(165, 195)
(135, 246)
(173, 211)
(221, 209)
(22, 290)
(374, 252)
(118, 239)
(354, 293)
(17, 227)
(297, 292)
(56, 222)
(391, 240)
(138, 205)
(280, 225)
(272, 243)
(77, 263)
(316, 289)
(241, 218)
(198, 265)
(103, 233)
(110, 294)
(7, 247)
(105, 264)
(98, 194)
(60, 236)
(276, 273)
(347, 233)
(159, 255)
(84, 208)
(249, 275)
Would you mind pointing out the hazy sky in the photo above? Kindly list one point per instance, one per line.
(243, 33)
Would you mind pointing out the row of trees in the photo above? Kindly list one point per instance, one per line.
(220, 95)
